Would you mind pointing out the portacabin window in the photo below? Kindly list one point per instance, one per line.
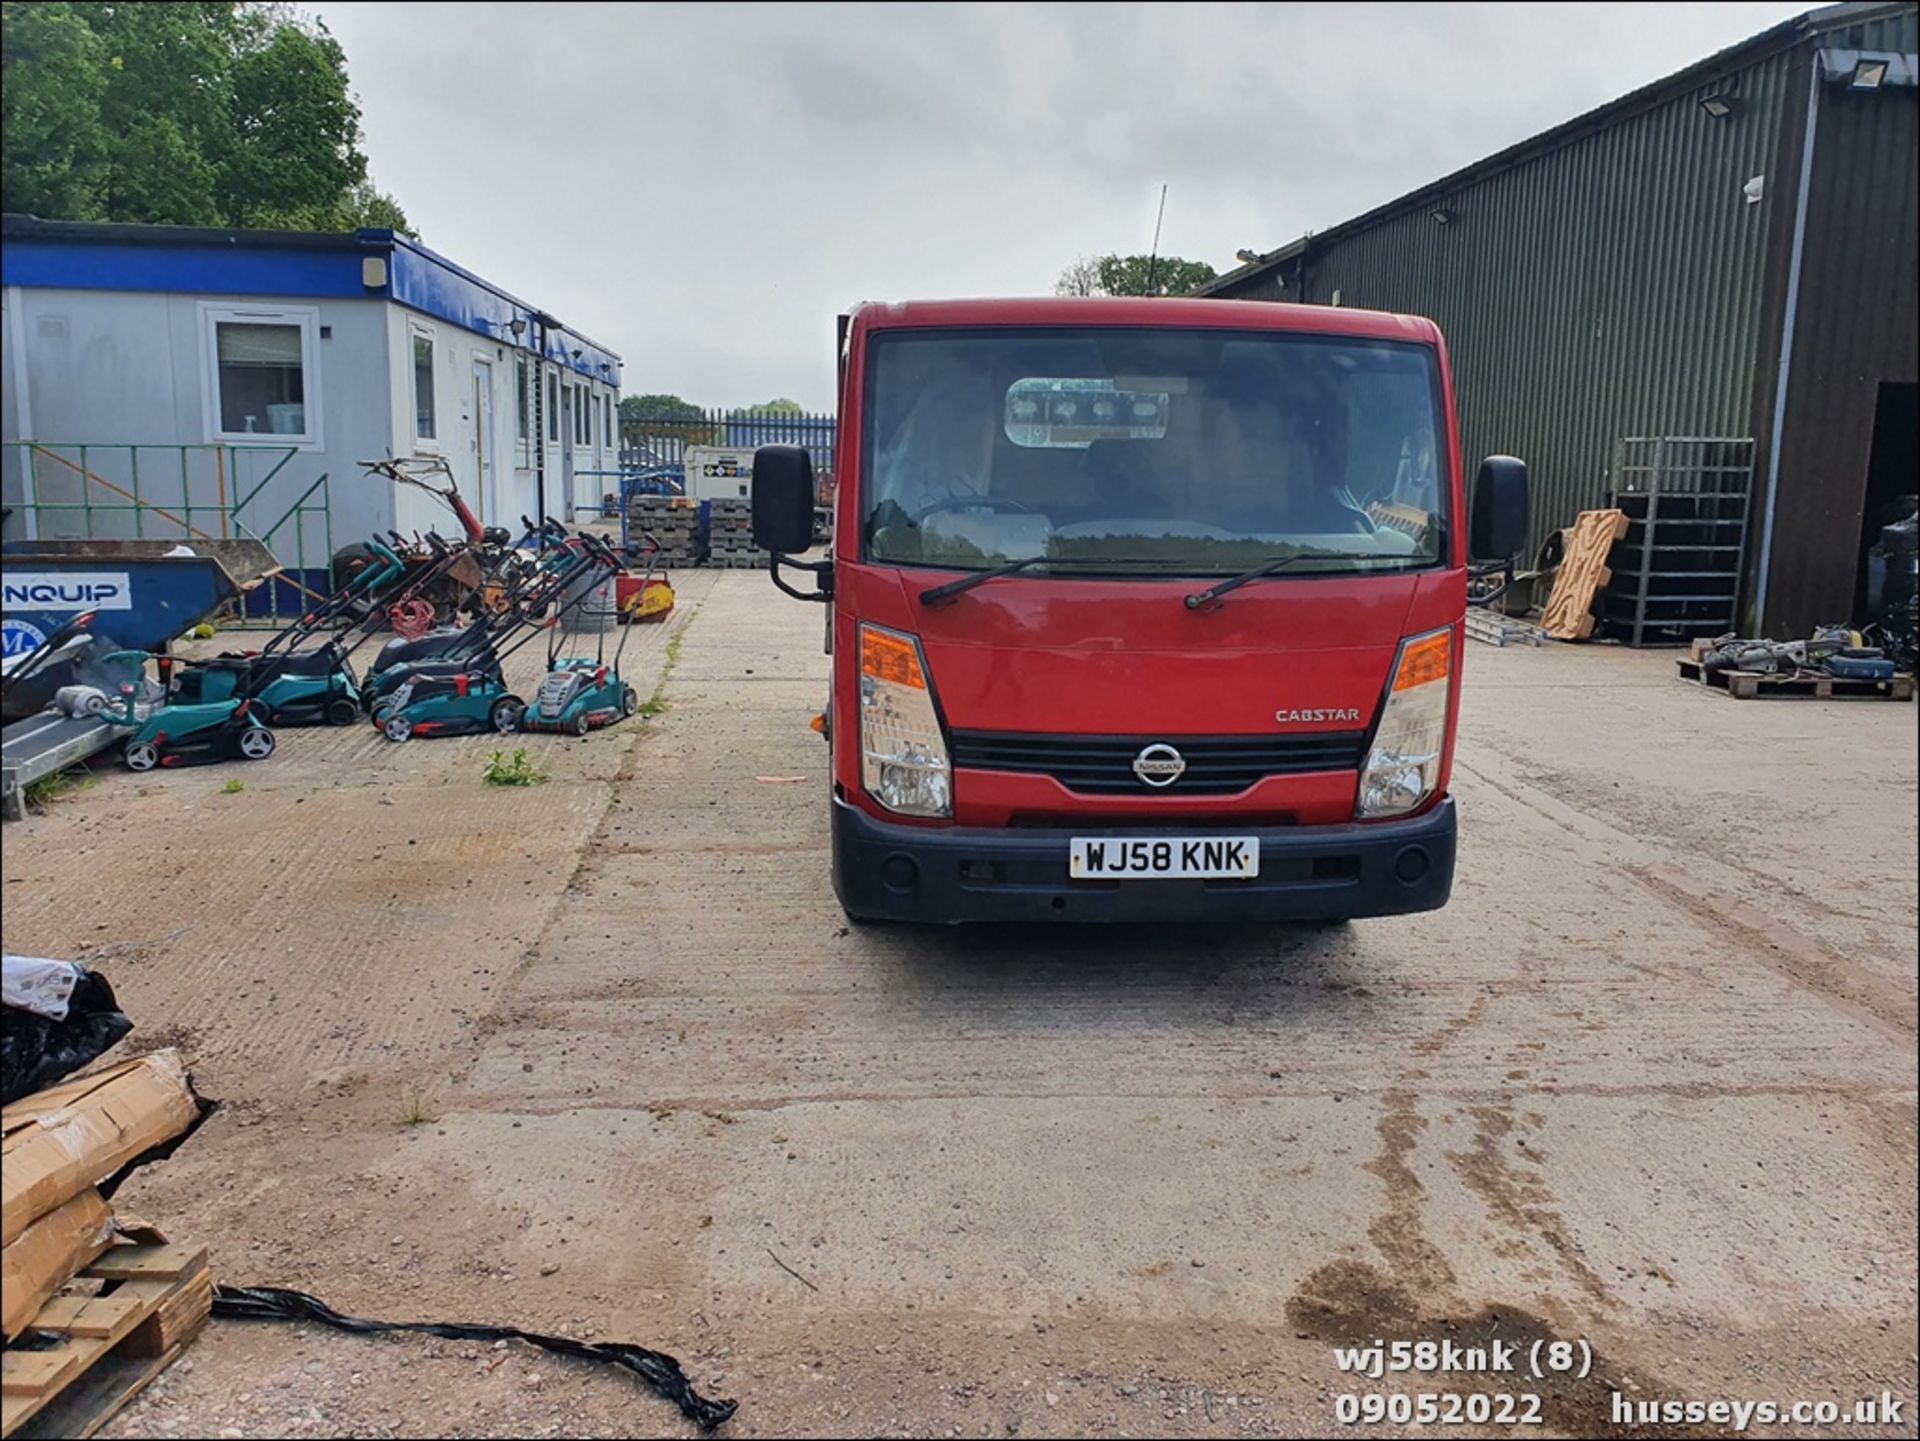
(553, 408)
(262, 374)
(520, 399)
(423, 400)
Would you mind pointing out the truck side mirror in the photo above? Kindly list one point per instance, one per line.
(1499, 524)
(782, 499)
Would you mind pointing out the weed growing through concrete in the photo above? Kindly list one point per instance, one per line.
(656, 703)
(60, 786)
(414, 1110)
(517, 771)
(233, 787)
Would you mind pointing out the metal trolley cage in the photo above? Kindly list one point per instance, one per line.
(1676, 574)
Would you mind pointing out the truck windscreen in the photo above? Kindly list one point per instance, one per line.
(1158, 451)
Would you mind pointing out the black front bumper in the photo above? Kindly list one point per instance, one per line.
(914, 873)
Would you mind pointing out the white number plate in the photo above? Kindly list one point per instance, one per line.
(1112, 858)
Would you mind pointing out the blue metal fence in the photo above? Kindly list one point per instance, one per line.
(655, 444)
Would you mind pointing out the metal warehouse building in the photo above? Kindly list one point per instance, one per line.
(1726, 255)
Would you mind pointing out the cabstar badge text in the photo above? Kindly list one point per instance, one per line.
(1315, 717)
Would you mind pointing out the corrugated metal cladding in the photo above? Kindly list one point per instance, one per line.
(1580, 292)
(1855, 328)
(1619, 281)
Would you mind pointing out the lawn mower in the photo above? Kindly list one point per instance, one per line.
(508, 575)
(581, 695)
(471, 696)
(286, 684)
(195, 733)
(476, 645)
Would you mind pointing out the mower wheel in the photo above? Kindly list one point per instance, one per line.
(342, 712)
(505, 714)
(579, 725)
(629, 700)
(396, 728)
(141, 756)
(256, 743)
(381, 710)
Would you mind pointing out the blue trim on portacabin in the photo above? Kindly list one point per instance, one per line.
(198, 268)
(434, 285)
(71, 256)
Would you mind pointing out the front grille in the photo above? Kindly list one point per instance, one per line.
(1103, 765)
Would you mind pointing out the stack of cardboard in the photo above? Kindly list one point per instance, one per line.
(59, 1145)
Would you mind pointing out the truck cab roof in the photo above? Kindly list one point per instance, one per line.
(1140, 311)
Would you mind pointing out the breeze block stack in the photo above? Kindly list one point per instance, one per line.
(730, 536)
(676, 521)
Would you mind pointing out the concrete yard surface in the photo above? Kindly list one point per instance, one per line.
(601, 1055)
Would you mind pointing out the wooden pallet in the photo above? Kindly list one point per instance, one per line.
(1583, 574)
(116, 1326)
(1805, 685)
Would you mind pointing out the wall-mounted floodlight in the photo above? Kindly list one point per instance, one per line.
(1719, 107)
(576, 354)
(1246, 257)
(518, 327)
(1444, 216)
(1868, 75)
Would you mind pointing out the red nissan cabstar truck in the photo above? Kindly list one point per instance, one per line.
(1140, 609)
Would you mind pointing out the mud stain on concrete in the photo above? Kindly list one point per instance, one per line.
(1349, 1303)
(1398, 1232)
(1519, 1197)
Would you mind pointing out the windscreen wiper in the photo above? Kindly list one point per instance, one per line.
(938, 593)
(1214, 592)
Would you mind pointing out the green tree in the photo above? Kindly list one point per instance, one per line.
(661, 409)
(782, 406)
(53, 74)
(1128, 275)
(204, 113)
(1082, 277)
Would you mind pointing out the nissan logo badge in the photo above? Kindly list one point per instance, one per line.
(1159, 765)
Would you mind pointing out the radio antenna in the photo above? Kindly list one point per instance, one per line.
(1153, 256)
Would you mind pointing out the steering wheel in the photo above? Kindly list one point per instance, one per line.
(971, 502)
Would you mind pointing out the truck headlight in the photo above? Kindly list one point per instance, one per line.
(1403, 768)
(903, 756)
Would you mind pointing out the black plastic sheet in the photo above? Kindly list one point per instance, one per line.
(37, 1051)
(656, 1368)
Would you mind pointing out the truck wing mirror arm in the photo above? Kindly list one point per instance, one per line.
(822, 577)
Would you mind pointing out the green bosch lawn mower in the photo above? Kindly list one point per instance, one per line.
(581, 695)
(200, 732)
(473, 697)
(524, 599)
(285, 683)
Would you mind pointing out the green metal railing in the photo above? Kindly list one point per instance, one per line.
(177, 492)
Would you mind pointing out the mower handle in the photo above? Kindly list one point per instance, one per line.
(389, 561)
(600, 550)
(438, 546)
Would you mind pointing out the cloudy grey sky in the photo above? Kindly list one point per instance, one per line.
(702, 187)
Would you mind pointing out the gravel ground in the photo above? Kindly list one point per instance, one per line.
(601, 1056)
